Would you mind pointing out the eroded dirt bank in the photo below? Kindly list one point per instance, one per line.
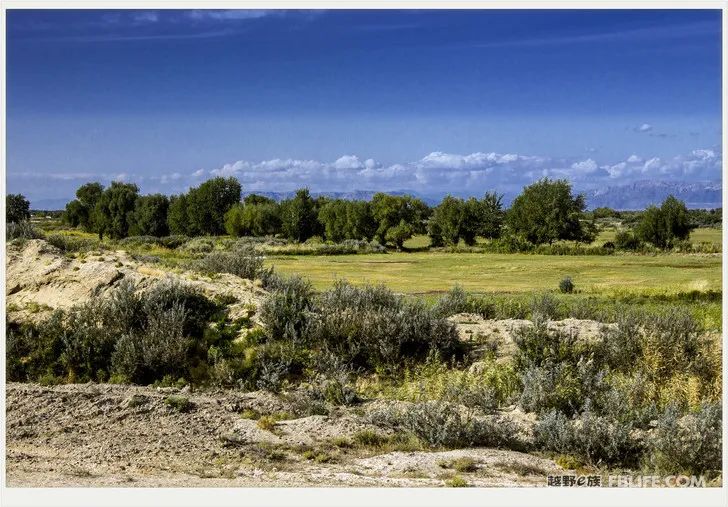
(111, 435)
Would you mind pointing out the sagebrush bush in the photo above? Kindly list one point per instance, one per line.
(538, 345)
(691, 443)
(372, 327)
(440, 424)
(137, 335)
(21, 230)
(595, 439)
(367, 327)
(174, 241)
(243, 262)
(564, 386)
(545, 306)
(286, 311)
(272, 375)
(453, 302)
(199, 245)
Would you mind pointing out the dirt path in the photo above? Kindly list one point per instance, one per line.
(110, 435)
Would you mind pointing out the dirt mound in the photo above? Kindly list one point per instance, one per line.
(39, 278)
(112, 435)
(475, 329)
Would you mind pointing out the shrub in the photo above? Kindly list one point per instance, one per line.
(441, 424)
(595, 439)
(538, 345)
(566, 285)
(457, 482)
(545, 306)
(688, 444)
(372, 327)
(242, 262)
(272, 375)
(491, 385)
(21, 230)
(369, 438)
(174, 241)
(285, 313)
(561, 386)
(464, 465)
(169, 292)
(68, 244)
(626, 240)
(178, 403)
(199, 245)
(138, 241)
(137, 336)
(160, 349)
(453, 302)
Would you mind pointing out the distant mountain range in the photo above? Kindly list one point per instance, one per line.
(641, 194)
(633, 196)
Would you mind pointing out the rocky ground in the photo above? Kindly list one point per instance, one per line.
(111, 435)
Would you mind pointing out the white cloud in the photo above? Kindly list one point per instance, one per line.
(470, 173)
(435, 173)
(145, 17)
(230, 14)
(349, 162)
(645, 127)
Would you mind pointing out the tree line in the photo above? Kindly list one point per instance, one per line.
(546, 211)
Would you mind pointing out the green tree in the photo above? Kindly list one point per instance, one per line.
(664, 225)
(149, 217)
(177, 220)
(17, 208)
(208, 203)
(447, 221)
(605, 212)
(342, 219)
(257, 199)
(253, 219)
(546, 211)
(298, 216)
(114, 209)
(333, 217)
(492, 216)
(390, 211)
(81, 212)
(400, 233)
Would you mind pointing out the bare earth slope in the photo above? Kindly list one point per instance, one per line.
(109, 435)
(40, 278)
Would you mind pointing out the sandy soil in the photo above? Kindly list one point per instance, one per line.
(110, 435)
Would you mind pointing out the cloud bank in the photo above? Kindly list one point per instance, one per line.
(435, 174)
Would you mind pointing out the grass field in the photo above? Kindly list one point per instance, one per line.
(700, 235)
(423, 272)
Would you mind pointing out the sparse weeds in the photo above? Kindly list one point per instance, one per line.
(178, 403)
(457, 482)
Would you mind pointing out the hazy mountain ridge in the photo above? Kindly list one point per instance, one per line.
(640, 194)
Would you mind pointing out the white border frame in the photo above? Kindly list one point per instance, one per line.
(355, 497)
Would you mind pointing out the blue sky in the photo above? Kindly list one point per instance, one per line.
(429, 101)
